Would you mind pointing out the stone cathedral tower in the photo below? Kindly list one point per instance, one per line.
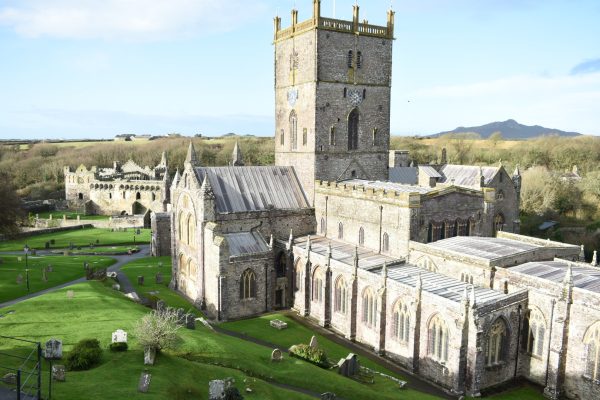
(332, 97)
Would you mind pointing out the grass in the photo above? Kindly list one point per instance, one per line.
(79, 237)
(64, 269)
(148, 268)
(69, 214)
(118, 250)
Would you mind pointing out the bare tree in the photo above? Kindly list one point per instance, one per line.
(157, 330)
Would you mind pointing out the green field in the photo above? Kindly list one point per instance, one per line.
(69, 214)
(64, 269)
(79, 237)
(148, 268)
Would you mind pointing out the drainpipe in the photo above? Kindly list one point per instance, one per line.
(549, 341)
(518, 343)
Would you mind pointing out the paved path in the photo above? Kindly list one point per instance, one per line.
(121, 261)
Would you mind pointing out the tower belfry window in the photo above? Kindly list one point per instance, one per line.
(332, 135)
(358, 59)
(350, 58)
(353, 130)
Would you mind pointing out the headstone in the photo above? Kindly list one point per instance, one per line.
(160, 305)
(53, 349)
(19, 279)
(64, 217)
(140, 280)
(116, 286)
(70, 294)
(78, 218)
(149, 355)
(276, 355)
(190, 321)
(119, 336)
(342, 367)
(348, 366)
(138, 232)
(44, 275)
(328, 396)
(144, 382)
(50, 217)
(19, 259)
(49, 268)
(278, 324)
(313, 342)
(159, 278)
(217, 389)
(58, 373)
(10, 378)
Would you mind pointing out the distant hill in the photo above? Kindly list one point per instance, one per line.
(509, 129)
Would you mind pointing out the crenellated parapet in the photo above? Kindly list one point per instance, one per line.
(331, 24)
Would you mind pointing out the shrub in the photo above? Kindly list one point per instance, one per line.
(84, 355)
(313, 355)
(118, 346)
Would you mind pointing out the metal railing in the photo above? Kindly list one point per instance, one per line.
(27, 368)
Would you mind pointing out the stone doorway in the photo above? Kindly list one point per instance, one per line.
(279, 298)
(137, 208)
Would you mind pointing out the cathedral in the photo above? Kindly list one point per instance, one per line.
(423, 264)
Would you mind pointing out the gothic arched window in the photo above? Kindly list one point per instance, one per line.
(592, 352)
(340, 296)
(438, 339)
(294, 129)
(361, 236)
(536, 333)
(353, 130)
(358, 59)
(385, 245)
(369, 307)
(281, 265)
(350, 59)
(401, 322)
(299, 276)
(322, 230)
(317, 285)
(191, 230)
(496, 343)
(332, 136)
(248, 285)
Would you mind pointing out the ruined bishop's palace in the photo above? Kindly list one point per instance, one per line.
(423, 264)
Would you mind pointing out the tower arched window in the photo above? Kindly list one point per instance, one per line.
(358, 59)
(361, 236)
(401, 322)
(536, 333)
(248, 285)
(332, 136)
(299, 276)
(322, 228)
(317, 285)
(294, 129)
(385, 245)
(340, 231)
(369, 307)
(350, 58)
(191, 230)
(138, 196)
(353, 119)
(340, 296)
(591, 342)
(437, 339)
(496, 343)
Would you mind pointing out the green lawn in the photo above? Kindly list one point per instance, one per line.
(148, 268)
(79, 237)
(65, 269)
(69, 214)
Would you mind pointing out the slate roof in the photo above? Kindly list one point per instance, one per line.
(403, 175)
(391, 186)
(587, 278)
(242, 189)
(438, 284)
(242, 243)
(466, 175)
(488, 248)
(344, 252)
(429, 171)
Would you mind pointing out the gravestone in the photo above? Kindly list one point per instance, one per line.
(160, 305)
(149, 355)
(159, 278)
(140, 280)
(49, 268)
(19, 259)
(190, 321)
(217, 389)
(10, 378)
(328, 396)
(144, 382)
(44, 275)
(348, 366)
(138, 232)
(119, 336)
(278, 324)
(19, 279)
(313, 342)
(53, 349)
(276, 355)
(70, 294)
(58, 373)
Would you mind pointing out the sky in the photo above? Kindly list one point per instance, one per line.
(98, 68)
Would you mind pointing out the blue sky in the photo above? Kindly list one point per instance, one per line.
(97, 68)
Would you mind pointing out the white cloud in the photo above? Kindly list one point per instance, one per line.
(126, 19)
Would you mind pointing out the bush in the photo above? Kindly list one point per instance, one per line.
(84, 355)
(119, 346)
(313, 355)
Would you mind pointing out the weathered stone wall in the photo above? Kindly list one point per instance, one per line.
(161, 234)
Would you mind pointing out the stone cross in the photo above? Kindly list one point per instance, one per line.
(119, 336)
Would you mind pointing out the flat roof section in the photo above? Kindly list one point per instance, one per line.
(488, 248)
(587, 278)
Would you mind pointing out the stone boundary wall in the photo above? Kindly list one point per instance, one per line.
(127, 221)
(46, 230)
